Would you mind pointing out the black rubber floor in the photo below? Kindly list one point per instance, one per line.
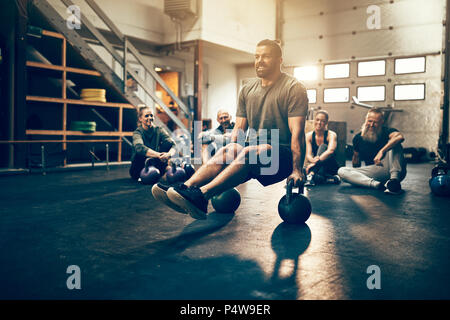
(128, 246)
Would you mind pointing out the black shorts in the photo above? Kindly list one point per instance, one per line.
(279, 168)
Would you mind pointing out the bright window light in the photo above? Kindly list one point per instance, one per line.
(373, 93)
(334, 71)
(409, 65)
(409, 91)
(336, 95)
(371, 68)
(306, 73)
(312, 95)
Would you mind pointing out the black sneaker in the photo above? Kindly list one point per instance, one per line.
(333, 179)
(159, 192)
(393, 186)
(319, 179)
(190, 199)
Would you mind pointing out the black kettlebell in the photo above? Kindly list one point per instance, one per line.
(439, 170)
(294, 207)
(188, 168)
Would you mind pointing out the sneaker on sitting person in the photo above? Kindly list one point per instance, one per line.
(333, 179)
(190, 199)
(159, 192)
(310, 181)
(393, 186)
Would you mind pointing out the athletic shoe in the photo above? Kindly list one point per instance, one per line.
(190, 199)
(393, 186)
(159, 192)
(319, 179)
(333, 179)
(310, 181)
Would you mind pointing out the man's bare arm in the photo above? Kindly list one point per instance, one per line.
(240, 127)
(298, 147)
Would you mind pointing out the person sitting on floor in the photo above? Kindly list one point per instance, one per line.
(321, 145)
(381, 150)
(213, 140)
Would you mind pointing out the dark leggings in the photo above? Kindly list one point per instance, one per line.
(139, 163)
(327, 167)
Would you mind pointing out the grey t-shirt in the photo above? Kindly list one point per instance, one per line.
(270, 107)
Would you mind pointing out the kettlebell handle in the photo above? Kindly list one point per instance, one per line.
(147, 163)
(289, 187)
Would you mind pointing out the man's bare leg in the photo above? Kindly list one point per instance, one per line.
(234, 174)
(215, 165)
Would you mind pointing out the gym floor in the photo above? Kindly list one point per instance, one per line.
(128, 246)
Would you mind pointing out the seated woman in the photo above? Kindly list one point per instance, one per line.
(150, 141)
(321, 144)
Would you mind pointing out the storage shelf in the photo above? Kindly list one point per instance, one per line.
(78, 133)
(56, 141)
(80, 102)
(62, 71)
(47, 66)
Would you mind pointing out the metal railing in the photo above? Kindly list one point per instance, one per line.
(129, 48)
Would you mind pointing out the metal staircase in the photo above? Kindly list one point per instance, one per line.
(121, 56)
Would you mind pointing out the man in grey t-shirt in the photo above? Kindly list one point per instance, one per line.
(273, 109)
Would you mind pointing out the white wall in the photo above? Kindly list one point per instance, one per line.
(220, 89)
(238, 24)
(416, 27)
(233, 23)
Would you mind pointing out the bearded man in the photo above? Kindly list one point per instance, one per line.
(381, 150)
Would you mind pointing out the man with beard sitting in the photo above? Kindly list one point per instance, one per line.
(381, 150)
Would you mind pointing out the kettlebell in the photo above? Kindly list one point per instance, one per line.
(294, 207)
(149, 174)
(439, 170)
(175, 174)
(188, 169)
(227, 202)
(440, 181)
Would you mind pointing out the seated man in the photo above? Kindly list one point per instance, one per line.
(215, 139)
(275, 101)
(320, 152)
(381, 150)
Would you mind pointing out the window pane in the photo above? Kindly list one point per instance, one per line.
(333, 71)
(374, 93)
(306, 73)
(410, 65)
(312, 95)
(336, 95)
(371, 68)
(409, 91)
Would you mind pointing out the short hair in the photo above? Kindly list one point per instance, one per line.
(325, 113)
(141, 108)
(275, 45)
(222, 111)
(376, 110)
